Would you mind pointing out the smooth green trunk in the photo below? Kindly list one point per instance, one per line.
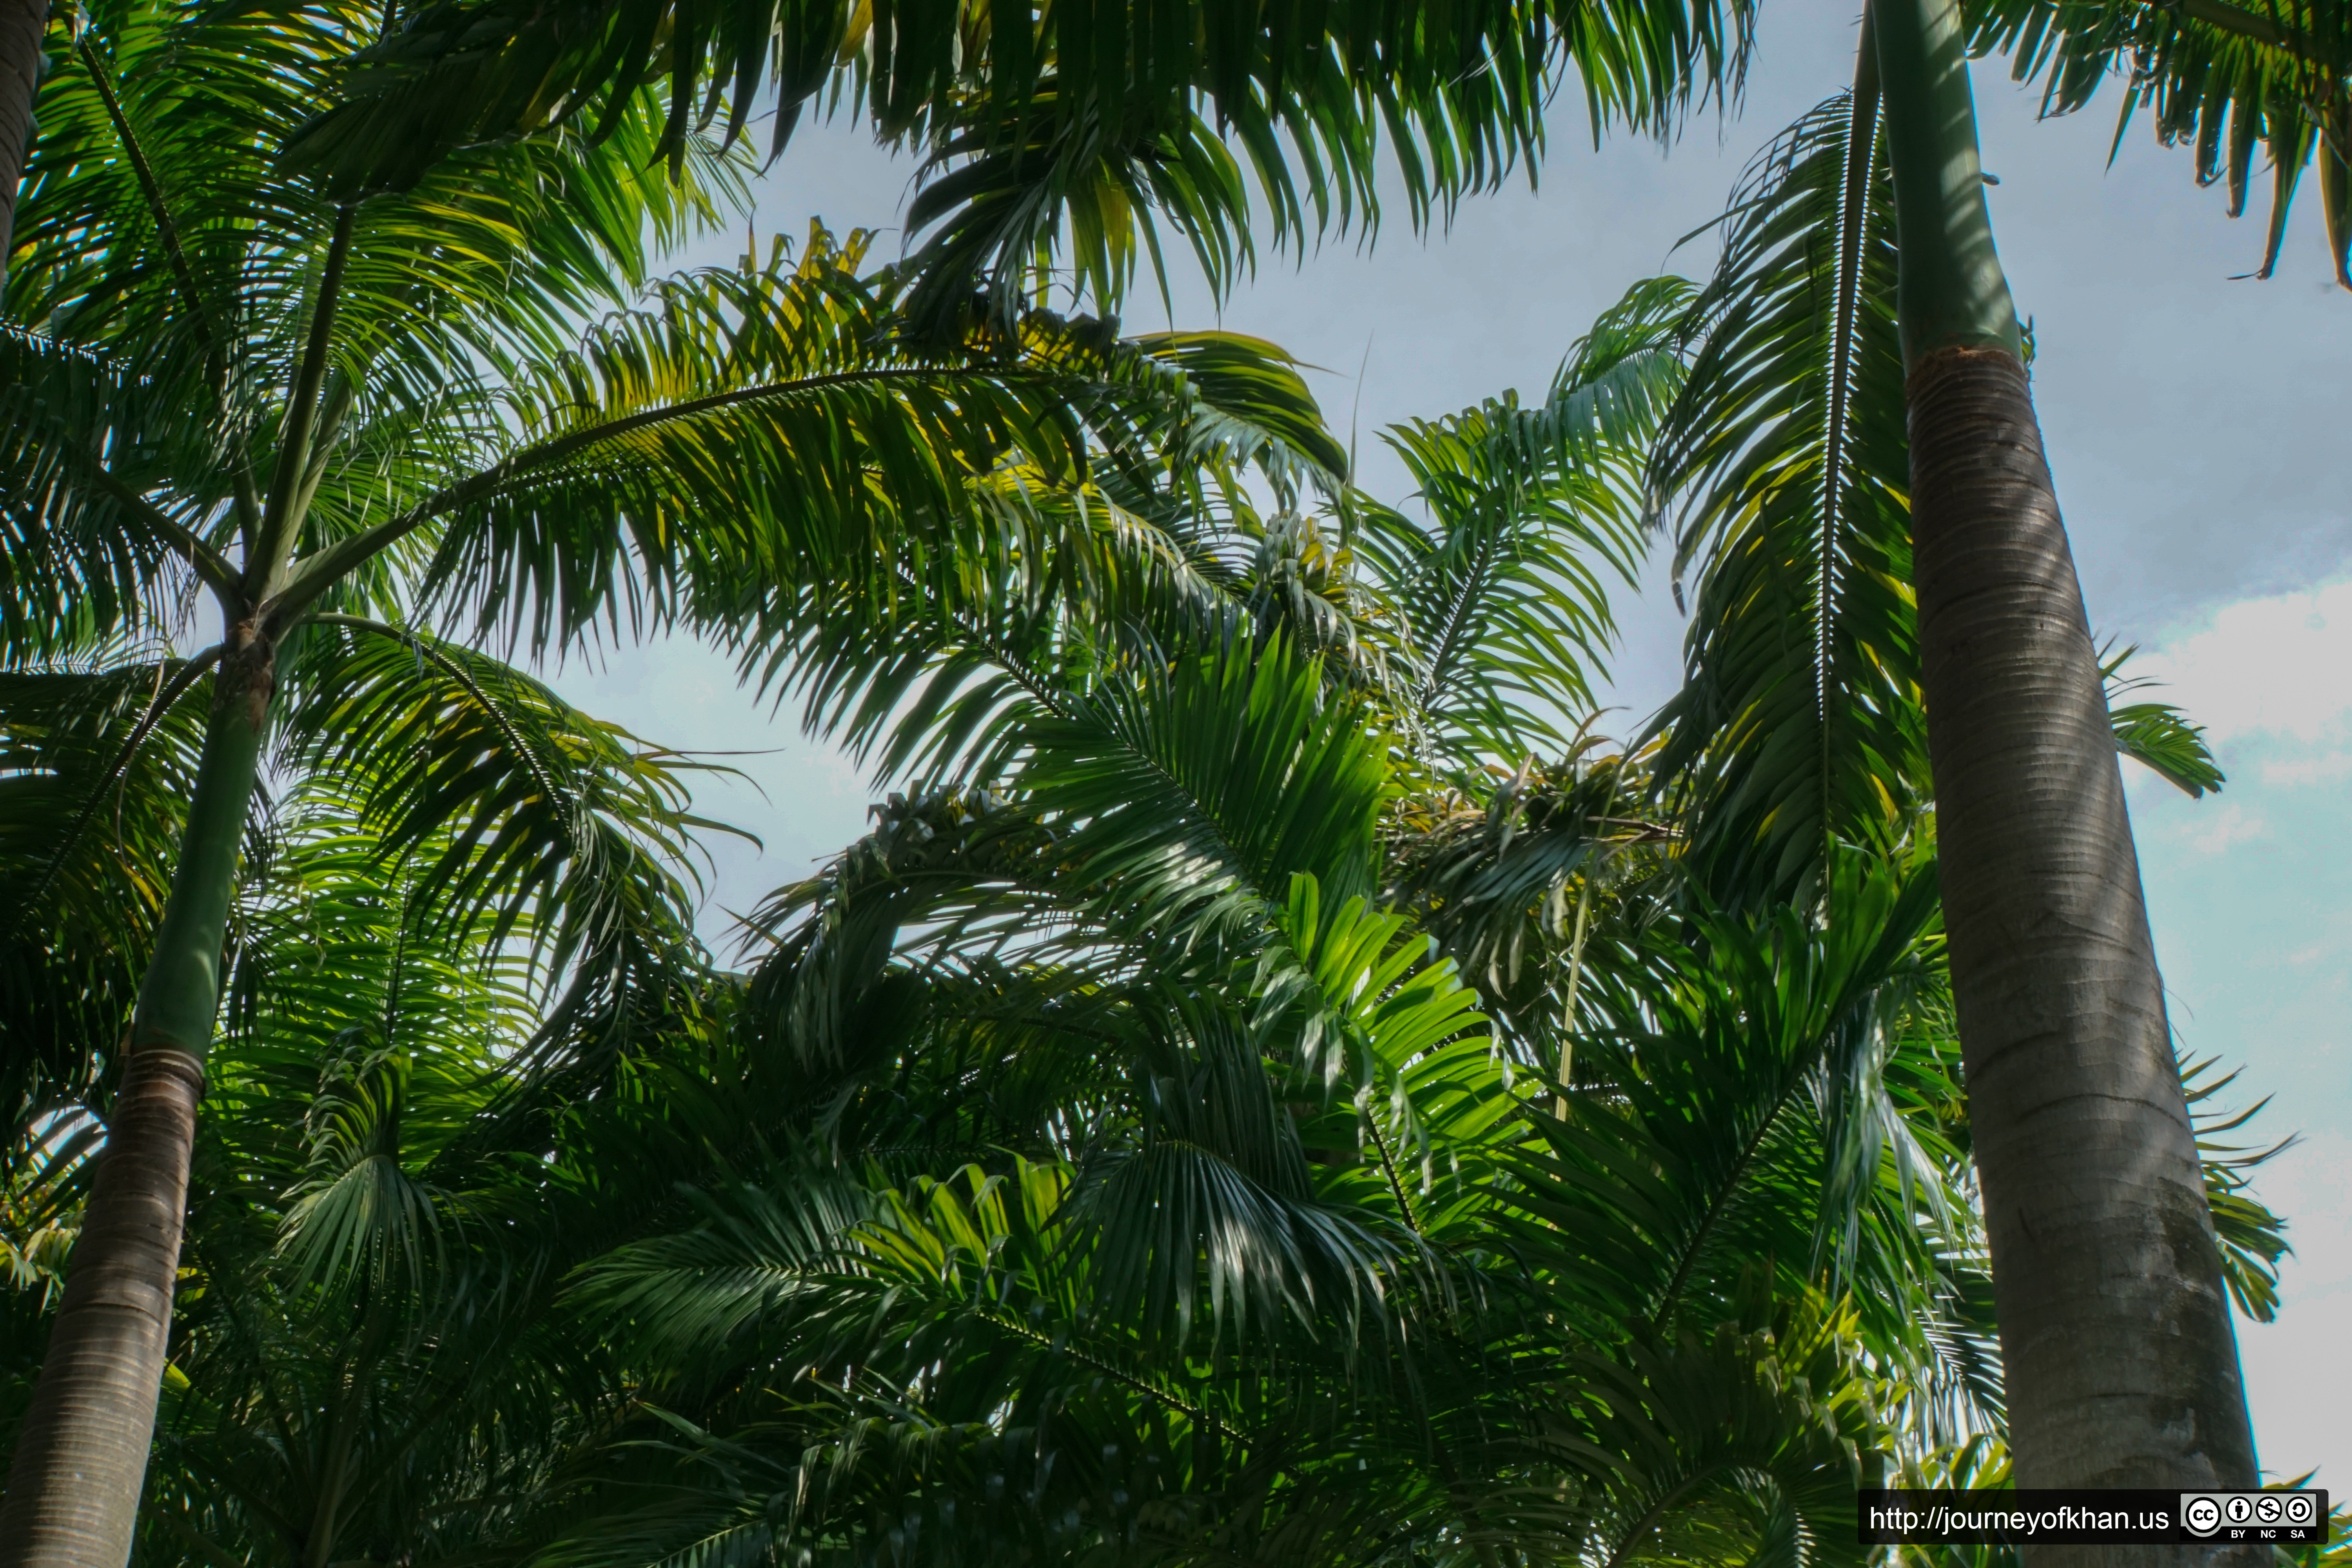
(179, 997)
(2117, 1343)
(1950, 291)
(81, 1459)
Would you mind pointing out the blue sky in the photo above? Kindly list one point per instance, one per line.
(2194, 426)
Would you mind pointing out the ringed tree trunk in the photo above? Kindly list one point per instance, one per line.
(81, 1461)
(22, 23)
(2121, 1363)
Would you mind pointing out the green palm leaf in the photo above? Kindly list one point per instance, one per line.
(534, 819)
(1798, 723)
(2222, 77)
(1077, 127)
(1502, 594)
(95, 770)
(1777, 1105)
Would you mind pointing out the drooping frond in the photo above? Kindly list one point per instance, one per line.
(1702, 1146)
(1071, 129)
(1502, 594)
(1785, 466)
(534, 820)
(2223, 78)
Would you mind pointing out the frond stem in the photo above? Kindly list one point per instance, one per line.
(152, 189)
(267, 548)
(210, 565)
(215, 358)
(1388, 1168)
(340, 396)
(1729, 1192)
(317, 573)
(1576, 953)
(1651, 1515)
(1132, 1384)
(1453, 633)
(2221, 13)
(1853, 217)
(530, 759)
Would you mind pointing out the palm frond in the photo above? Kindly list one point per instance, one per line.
(2220, 77)
(1745, 1441)
(1798, 724)
(534, 820)
(1502, 594)
(96, 768)
(84, 561)
(1075, 128)
(2158, 735)
(1773, 1105)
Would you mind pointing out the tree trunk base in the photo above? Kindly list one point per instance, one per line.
(81, 1454)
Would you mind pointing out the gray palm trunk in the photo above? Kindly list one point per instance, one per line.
(81, 1461)
(80, 1457)
(22, 23)
(2121, 1363)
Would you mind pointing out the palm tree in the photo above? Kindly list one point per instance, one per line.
(2029, 798)
(1855, 575)
(2107, 1276)
(1025, 1216)
(359, 1345)
(336, 417)
(1149, 1199)
(676, 144)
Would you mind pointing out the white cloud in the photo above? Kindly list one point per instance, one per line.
(2292, 772)
(2220, 828)
(2299, 1368)
(2277, 668)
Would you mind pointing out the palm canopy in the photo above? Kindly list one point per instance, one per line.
(466, 404)
(1182, 1171)
(1157, 1186)
(1101, 1157)
(344, 421)
(214, 360)
(362, 1353)
(1069, 129)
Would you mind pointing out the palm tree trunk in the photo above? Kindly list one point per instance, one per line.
(81, 1454)
(2121, 1365)
(22, 23)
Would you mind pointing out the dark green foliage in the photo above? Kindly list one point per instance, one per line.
(1073, 129)
(1798, 724)
(1274, 1088)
